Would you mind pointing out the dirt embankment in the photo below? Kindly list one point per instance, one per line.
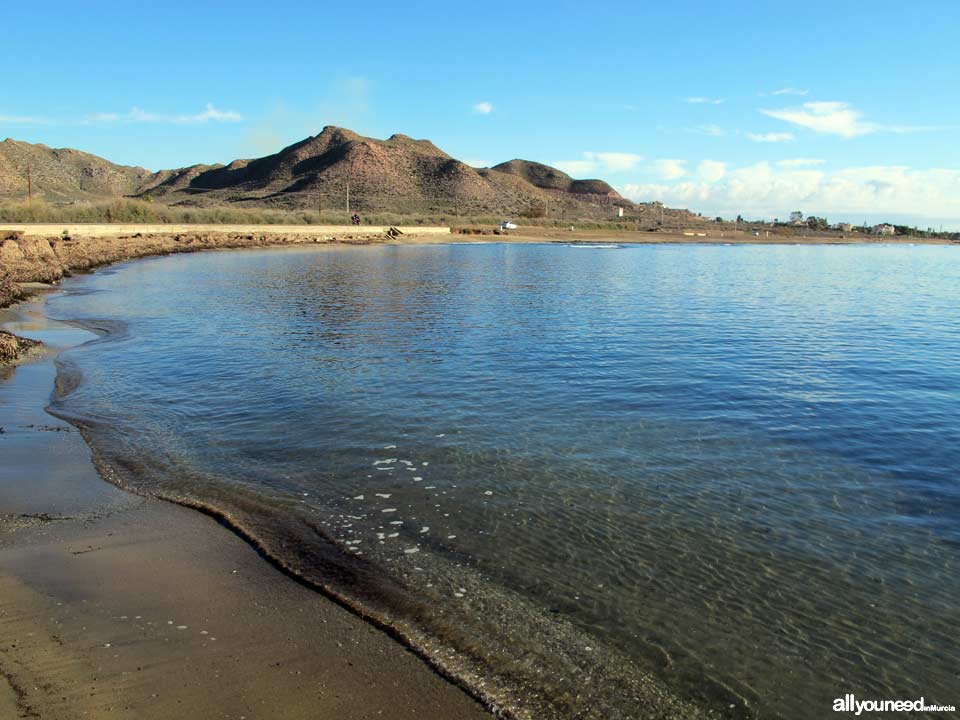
(9, 291)
(12, 347)
(44, 259)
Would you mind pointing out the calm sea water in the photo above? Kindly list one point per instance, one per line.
(590, 482)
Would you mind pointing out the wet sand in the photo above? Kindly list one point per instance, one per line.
(118, 606)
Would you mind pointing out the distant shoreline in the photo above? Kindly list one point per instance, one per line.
(699, 236)
(282, 234)
(47, 252)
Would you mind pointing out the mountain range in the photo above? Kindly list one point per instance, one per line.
(326, 171)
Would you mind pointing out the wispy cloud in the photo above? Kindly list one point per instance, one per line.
(136, 115)
(790, 91)
(841, 118)
(705, 101)
(483, 108)
(709, 130)
(832, 118)
(600, 161)
(24, 120)
(771, 137)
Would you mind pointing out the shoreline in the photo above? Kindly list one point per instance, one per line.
(32, 259)
(708, 237)
(118, 605)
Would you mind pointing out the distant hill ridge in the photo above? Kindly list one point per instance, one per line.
(61, 175)
(549, 178)
(399, 174)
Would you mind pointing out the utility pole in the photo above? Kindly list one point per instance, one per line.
(29, 187)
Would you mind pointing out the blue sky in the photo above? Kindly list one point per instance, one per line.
(846, 109)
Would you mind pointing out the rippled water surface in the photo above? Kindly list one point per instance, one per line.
(589, 482)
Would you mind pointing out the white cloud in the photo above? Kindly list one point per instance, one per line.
(705, 101)
(616, 161)
(711, 170)
(670, 169)
(855, 193)
(483, 108)
(790, 91)
(771, 137)
(833, 118)
(800, 162)
(593, 162)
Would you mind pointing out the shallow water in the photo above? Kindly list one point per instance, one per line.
(585, 480)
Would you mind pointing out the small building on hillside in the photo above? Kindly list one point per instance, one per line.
(796, 218)
(884, 229)
(844, 227)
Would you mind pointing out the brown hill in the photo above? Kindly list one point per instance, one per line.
(61, 175)
(549, 178)
(400, 174)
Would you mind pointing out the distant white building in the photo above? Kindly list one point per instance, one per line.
(884, 229)
(796, 218)
(845, 227)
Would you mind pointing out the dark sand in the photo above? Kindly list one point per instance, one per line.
(117, 606)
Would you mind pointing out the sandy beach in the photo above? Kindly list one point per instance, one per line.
(117, 606)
